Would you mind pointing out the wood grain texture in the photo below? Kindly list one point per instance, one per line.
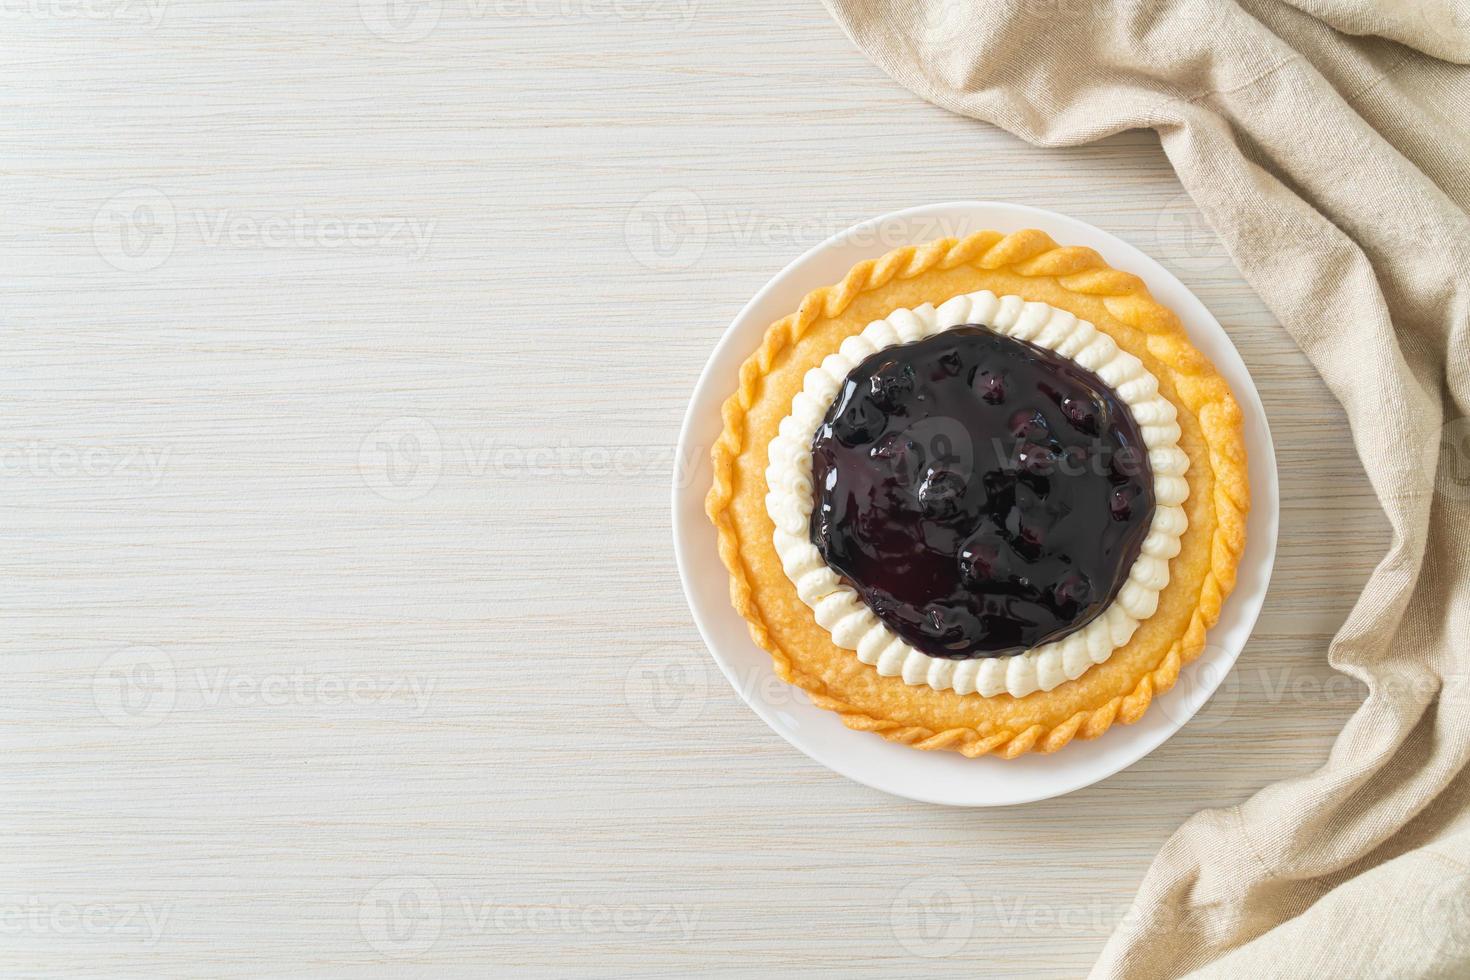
(345, 346)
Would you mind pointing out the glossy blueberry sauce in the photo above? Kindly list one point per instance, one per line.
(982, 494)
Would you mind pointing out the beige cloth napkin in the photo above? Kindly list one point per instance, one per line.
(1328, 143)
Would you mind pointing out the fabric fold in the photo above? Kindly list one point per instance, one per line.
(1327, 145)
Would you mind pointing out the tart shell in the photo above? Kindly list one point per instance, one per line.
(1031, 265)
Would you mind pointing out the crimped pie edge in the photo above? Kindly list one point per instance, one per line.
(1030, 254)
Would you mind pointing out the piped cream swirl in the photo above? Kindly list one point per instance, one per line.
(839, 609)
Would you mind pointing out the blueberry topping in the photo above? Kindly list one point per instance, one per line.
(891, 388)
(991, 385)
(1081, 414)
(1121, 501)
(1029, 423)
(942, 493)
(948, 364)
(982, 494)
(1071, 593)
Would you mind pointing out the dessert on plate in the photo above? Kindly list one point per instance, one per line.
(981, 495)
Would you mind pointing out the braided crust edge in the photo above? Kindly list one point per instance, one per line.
(1033, 254)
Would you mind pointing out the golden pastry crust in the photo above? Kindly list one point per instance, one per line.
(1031, 265)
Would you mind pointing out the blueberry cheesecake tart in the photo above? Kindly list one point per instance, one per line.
(982, 495)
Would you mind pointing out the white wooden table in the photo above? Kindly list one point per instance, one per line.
(344, 348)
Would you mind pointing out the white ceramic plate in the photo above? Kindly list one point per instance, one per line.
(947, 777)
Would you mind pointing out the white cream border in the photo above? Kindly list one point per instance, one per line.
(838, 607)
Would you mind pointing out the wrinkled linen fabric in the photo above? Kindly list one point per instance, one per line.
(1328, 144)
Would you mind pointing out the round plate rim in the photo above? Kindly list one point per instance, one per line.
(870, 760)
